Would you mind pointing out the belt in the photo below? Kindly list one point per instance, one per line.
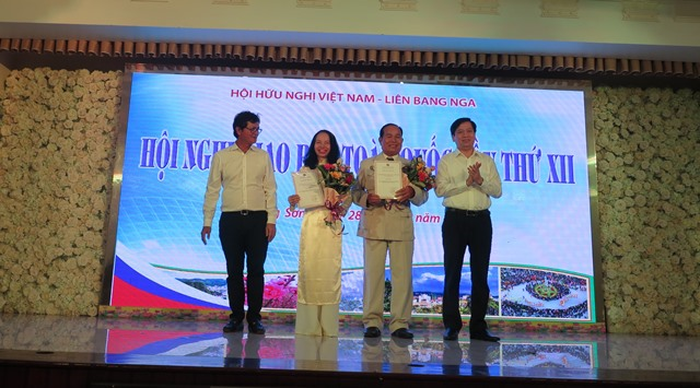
(247, 212)
(468, 213)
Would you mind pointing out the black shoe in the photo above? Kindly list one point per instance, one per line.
(450, 334)
(372, 342)
(402, 333)
(372, 332)
(484, 336)
(233, 325)
(402, 342)
(256, 328)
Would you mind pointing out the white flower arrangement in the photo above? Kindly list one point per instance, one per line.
(648, 199)
(54, 163)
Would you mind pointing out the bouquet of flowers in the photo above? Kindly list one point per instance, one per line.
(419, 174)
(337, 176)
(338, 180)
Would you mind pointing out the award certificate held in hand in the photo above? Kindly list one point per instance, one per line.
(387, 179)
(309, 189)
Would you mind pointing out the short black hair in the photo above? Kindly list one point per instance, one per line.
(459, 122)
(242, 119)
(381, 131)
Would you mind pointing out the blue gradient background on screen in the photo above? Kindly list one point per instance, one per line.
(540, 225)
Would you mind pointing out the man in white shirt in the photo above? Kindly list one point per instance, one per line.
(467, 180)
(248, 216)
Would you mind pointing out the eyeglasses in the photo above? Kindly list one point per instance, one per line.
(258, 129)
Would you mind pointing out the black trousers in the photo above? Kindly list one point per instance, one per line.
(461, 229)
(243, 240)
(235, 356)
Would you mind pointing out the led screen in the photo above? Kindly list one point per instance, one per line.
(542, 258)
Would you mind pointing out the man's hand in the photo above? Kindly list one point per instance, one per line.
(270, 232)
(206, 233)
(474, 174)
(405, 193)
(293, 200)
(374, 200)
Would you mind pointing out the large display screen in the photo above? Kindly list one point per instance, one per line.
(542, 262)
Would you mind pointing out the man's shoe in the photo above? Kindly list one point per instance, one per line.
(402, 342)
(484, 336)
(256, 328)
(233, 325)
(372, 332)
(402, 333)
(372, 342)
(450, 334)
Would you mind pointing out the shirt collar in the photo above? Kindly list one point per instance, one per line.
(460, 154)
(252, 148)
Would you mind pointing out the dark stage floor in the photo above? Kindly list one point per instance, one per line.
(521, 358)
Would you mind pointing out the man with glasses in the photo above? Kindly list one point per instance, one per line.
(248, 216)
(387, 226)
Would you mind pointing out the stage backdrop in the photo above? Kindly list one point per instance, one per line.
(543, 250)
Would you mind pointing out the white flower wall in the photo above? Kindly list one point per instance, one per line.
(58, 133)
(647, 146)
(57, 146)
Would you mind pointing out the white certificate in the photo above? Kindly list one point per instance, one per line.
(308, 188)
(388, 178)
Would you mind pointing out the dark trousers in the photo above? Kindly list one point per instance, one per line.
(235, 356)
(244, 242)
(459, 231)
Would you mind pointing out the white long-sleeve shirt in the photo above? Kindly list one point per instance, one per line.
(451, 181)
(248, 183)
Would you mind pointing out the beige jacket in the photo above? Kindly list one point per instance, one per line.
(378, 223)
